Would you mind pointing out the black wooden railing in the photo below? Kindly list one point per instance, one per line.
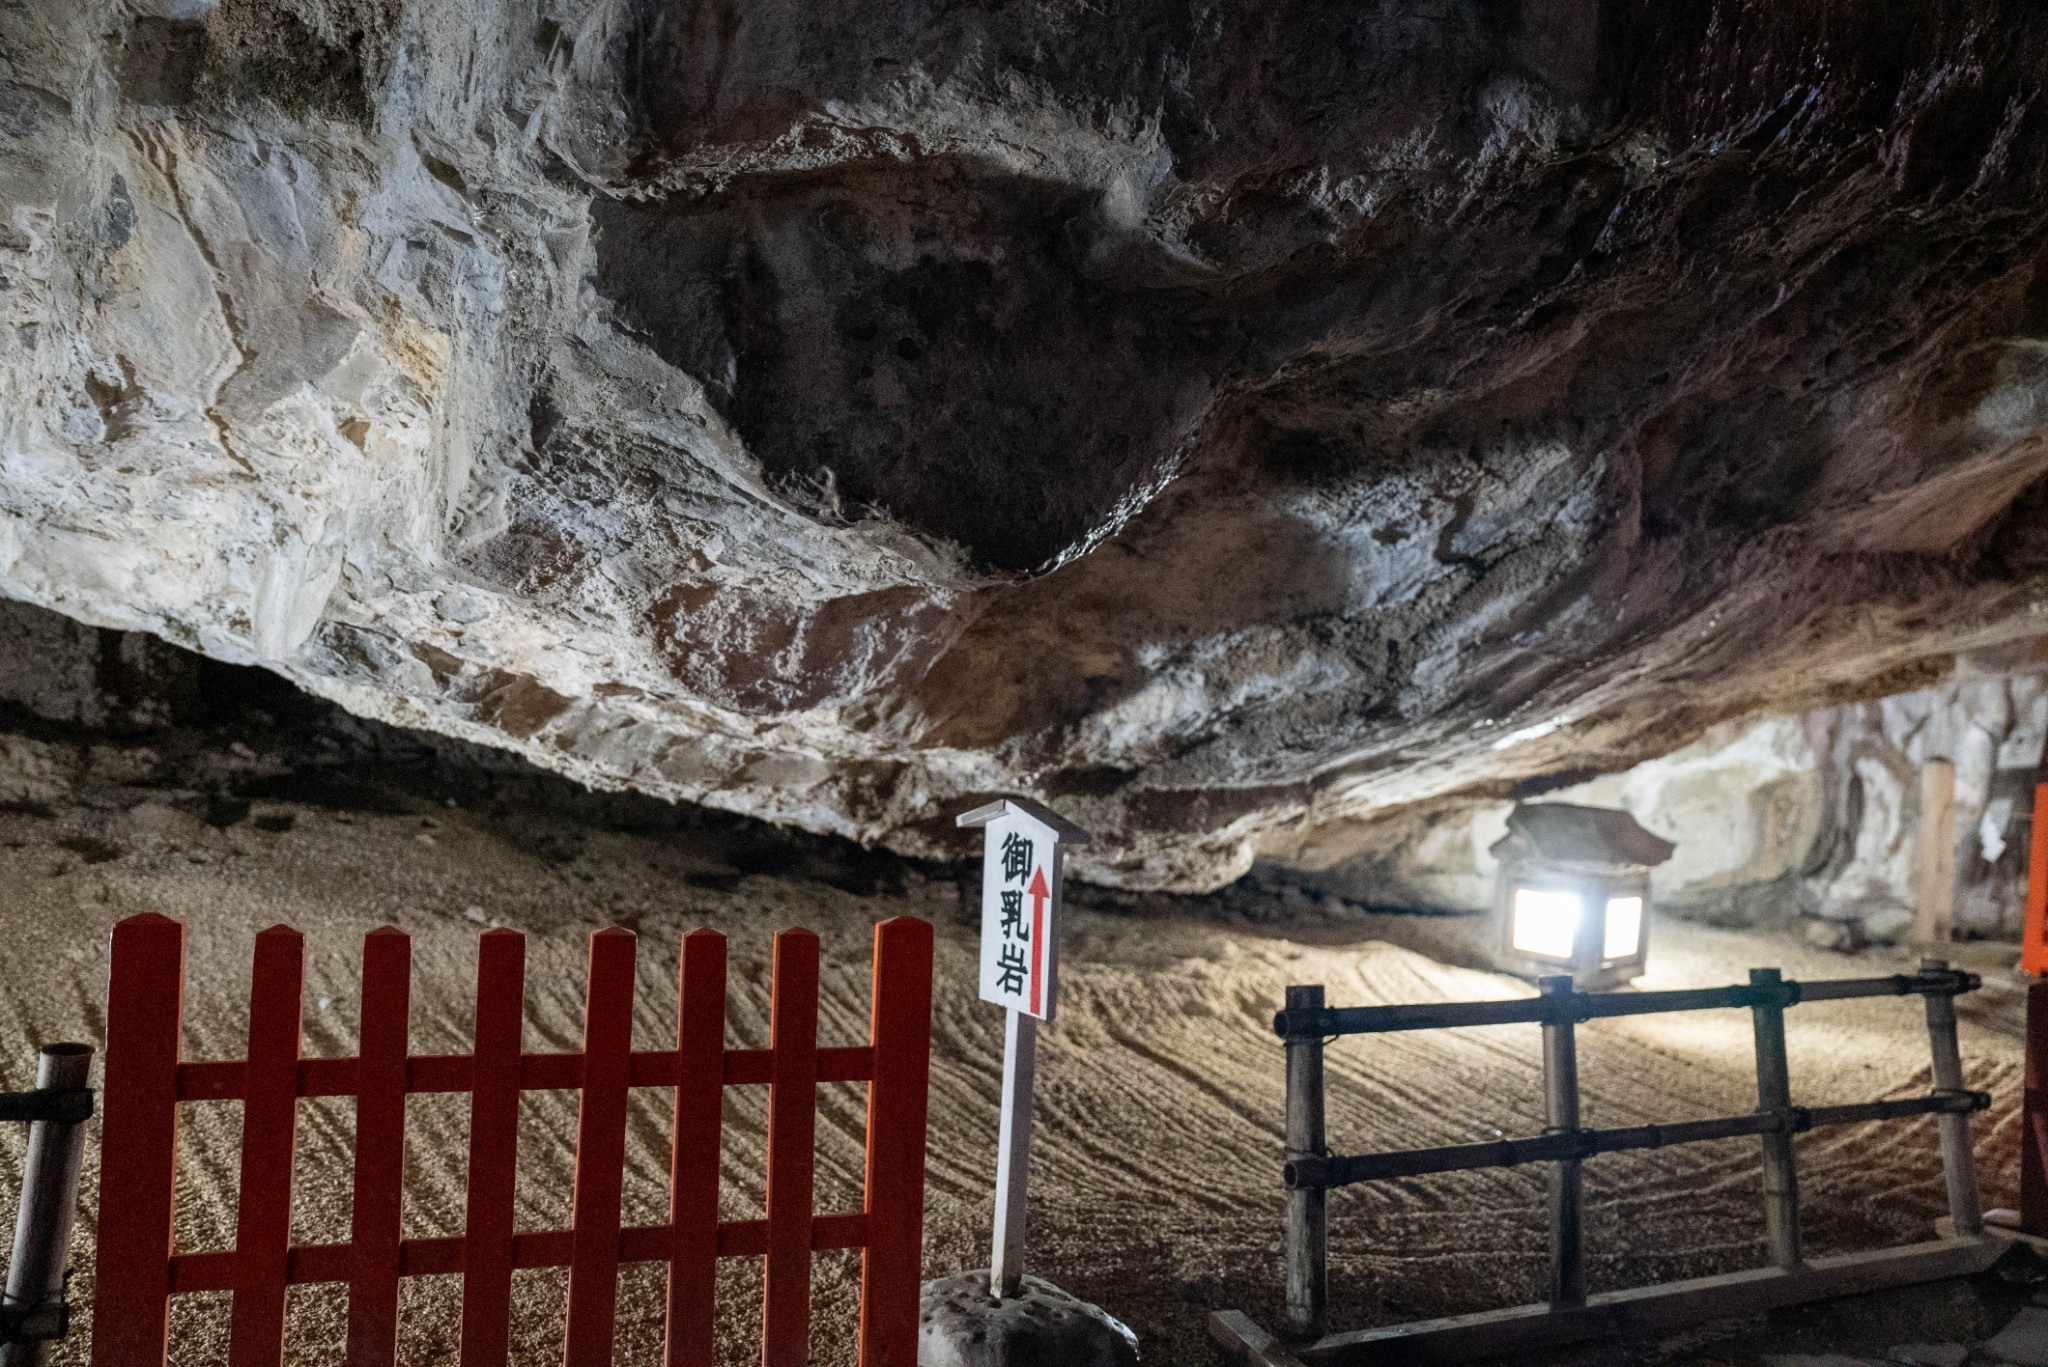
(1307, 1025)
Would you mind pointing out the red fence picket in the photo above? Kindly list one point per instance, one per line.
(375, 1219)
(139, 1123)
(145, 1081)
(893, 1268)
(486, 1255)
(693, 1171)
(270, 1111)
(792, 1123)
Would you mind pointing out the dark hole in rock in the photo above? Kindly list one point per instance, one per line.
(89, 848)
(266, 51)
(162, 61)
(221, 810)
(925, 341)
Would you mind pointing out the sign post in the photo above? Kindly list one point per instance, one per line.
(1022, 863)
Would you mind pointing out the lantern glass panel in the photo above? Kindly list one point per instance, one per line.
(1624, 935)
(1546, 922)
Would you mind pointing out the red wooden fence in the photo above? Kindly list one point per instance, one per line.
(145, 1080)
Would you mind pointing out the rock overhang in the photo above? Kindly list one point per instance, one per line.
(1217, 423)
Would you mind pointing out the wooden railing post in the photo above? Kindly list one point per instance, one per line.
(1561, 1116)
(600, 1150)
(263, 1217)
(899, 1033)
(1774, 1093)
(697, 1124)
(138, 1142)
(41, 1260)
(1958, 1162)
(1934, 867)
(493, 1149)
(376, 1218)
(792, 1135)
(1308, 1275)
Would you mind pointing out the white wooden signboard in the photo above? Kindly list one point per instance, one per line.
(1021, 865)
(1020, 910)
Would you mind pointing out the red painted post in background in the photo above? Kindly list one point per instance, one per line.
(792, 1136)
(2034, 934)
(2034, 1116)
(2034, 960)
(698, 1123)
(139, 1122)
(899, 1031)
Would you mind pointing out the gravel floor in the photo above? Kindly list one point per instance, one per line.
(1156, 1190)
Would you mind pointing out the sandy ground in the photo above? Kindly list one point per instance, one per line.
(1156, 1183)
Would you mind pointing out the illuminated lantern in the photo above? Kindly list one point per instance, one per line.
(1574, 893)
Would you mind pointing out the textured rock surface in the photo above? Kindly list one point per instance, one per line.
(2024, 1342)
(1219, 419)
(961, 1324)
(1862, 866)
(1816, 814)
(1930, 1354)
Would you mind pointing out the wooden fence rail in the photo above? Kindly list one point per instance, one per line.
(1569, 1314)
(137, 1271)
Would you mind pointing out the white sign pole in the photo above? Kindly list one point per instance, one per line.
(1013, 1154)
(1022, 864)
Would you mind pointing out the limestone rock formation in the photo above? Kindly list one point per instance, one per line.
(1773, 817)
(1221, 420)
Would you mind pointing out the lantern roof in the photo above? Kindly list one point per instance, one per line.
(1596, 839)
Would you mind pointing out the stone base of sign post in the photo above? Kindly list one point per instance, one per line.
(962, 1324)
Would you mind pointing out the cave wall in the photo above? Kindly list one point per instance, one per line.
(1223, 421)
(56, 669)
(1746, 805)
(1862, 869)
(1775, 817)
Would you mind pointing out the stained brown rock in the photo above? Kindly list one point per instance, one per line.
(1223, 421)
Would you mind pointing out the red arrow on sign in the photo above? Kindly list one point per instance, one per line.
(1038, 892)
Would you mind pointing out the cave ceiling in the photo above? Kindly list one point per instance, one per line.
(1219, 419)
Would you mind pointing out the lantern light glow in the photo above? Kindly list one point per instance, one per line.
(1572, 893)
(1547, 922)
(1624, 929)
